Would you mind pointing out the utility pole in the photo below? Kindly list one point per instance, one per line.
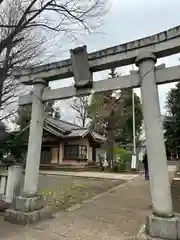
(134, 124)
(134, 155)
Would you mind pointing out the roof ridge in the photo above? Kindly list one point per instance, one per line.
(81, 128)
(70, 123)
(60, 120)
(54, 125)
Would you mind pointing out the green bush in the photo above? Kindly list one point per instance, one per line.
(123, 159)
(12, 150)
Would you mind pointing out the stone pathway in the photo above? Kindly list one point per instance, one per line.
(123, 176)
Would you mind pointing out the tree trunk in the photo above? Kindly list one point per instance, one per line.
(2, 79)
(83, 122)
(110, 143)
(1, 94)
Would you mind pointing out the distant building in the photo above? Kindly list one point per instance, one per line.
(66, 143)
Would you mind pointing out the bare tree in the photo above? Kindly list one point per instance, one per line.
(107, 112)
(23, 54)
(26, 25)
(80, 107)
(115, 108)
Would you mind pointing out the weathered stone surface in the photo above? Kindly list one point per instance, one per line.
(2, 197)
(13, 182)
(178, 226)
(28, 204)
(25, 218)
(123, 54)
(82, 76)
(165, 228)
(143, 235)
(27, 210)
(3, 182)
(3, 206)
(35, 140)
(159, 181)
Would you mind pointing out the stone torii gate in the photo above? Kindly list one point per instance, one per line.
(163, 223)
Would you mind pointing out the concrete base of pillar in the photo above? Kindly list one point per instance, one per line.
(158, 228)
(27, 210)
(2, 197)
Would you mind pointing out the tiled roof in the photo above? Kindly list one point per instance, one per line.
(52, 130)
(98, 136)
(64, 129)
(61, 125)
(78, 133)
(84, 132)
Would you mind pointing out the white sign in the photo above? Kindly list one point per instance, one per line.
(133, 162)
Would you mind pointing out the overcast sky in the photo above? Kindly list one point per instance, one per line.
(129, 20)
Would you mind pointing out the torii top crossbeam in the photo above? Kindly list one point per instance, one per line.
(162, 44)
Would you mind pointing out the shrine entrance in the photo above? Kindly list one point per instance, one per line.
(144, 53)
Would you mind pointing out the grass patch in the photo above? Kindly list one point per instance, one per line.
(71, 190)
(61, 199)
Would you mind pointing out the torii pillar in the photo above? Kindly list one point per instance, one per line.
(35, 140)
(29, 207)
(162, 224)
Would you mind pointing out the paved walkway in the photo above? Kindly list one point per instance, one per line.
(123, 176)
(115, 215)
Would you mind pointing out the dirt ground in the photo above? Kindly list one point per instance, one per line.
(175, 191)
(115, 215)
(61, 192)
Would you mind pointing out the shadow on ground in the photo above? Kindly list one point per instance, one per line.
(175, 191)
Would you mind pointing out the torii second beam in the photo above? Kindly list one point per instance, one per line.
(163, 75)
